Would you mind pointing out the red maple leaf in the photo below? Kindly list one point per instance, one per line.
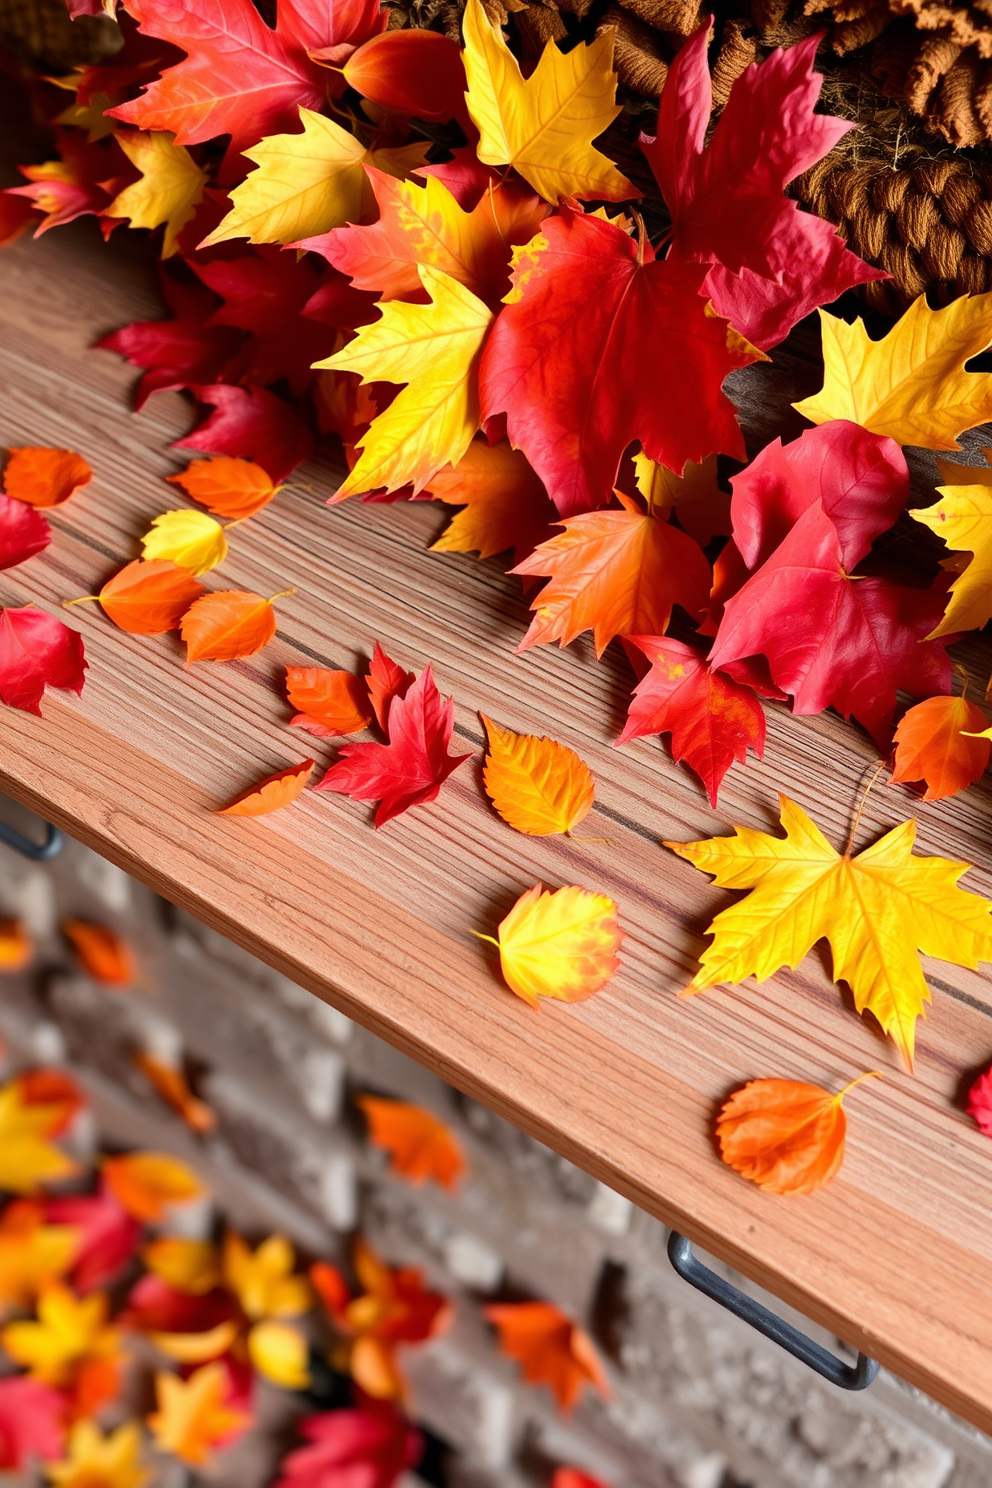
(365, 1448)
(81, 182)
(385, 680)
(254, 424)
(713, 721)
(32, 1419)
(37, 651)
(832, 639)
(23, 532)
(773, 262)
(602, 344)
(108, 1236)
(980, 1102)
(412, 767)
(153, 1306)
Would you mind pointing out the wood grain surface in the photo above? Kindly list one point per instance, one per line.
(896, 1256)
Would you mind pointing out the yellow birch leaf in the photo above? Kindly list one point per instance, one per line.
(308, 183)
(435, 350)
(911, 385)
(188, 538)
(876, 911)
(561, 945)
(963, 518)
(537, 785)
(170, 188)
(93, 1460)
(544, 125)
(281, 1353)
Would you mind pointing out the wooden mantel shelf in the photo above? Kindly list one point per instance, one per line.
(896, 1256)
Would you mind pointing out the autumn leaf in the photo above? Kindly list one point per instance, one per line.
(912, 385)
(963, 519)
(97, 1461)
(944, 742)
(505, 505)
(32, 1253)
(572, 360)
(385, 681)
(69, 1333)
(263, 1279)
(537, 785)
(433, 349)
(227, 486)
(190, 539)
(412, 767)
(274, 791)
(419, 1144)
(228, 625)
(703, 510)
(280, 1353)
(308, 183)
(108, 1236)
(410, 72)
(16, 947)
(562, 945)
(376, 1442)
(875, 910)
(103, 954)
(980, 1102)
(193, 1415)
(44, 477)
(148, 598)
(786, 1137)
(170, 189)
(23, 532)
(251, 423)
(146, 1184)
(331, 702)
(614, 573)
(713, 720)
(544, 125)
(171, 1084)
(27, 1158)
(191, 1266)
(37, 651)
(550, 1349)
(31, 1423)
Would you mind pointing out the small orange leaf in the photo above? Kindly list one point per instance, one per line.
(330, 702)
(193, 1414)
(57, 1091)
(385, 681)
(146, 1183)
(786, 1137)
(103, 954)
(45, 477)
(16, 948)
(228, 625)
(272, 792)
(562, 945)
(931, 745)
(227, 486)
(419, 1144)
(537, 785)
(549, 1348)
(149, 597)
(172, 1086)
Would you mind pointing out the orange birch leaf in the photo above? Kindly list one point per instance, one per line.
(330, 702)
(419, 1144)
(146, 1183)
(537, 785)
(16, 947)
(272, 792)
(103, 954)
(942, 742)
(786, 1137)
(172, 1086)
(549, 1348)
(228, 625)
(562, 945)
(227, 485)
(44, 477)
(193, 1416)
(148, 597)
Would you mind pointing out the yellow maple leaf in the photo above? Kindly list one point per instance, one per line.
(192, 1416)
(188, 538)
(876, 910)
(537, 785)
(562, 945)
(308, 183)
(27, 1158)
(963, 518)
(170, 188)
(190, 1266)
(911, 385)
(435, 350)
(69, 1331)
(263, 1280)
(544, 125)
(32, 1253)
(93, 1460)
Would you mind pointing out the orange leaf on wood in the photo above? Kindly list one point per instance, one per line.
(228, 625)
(103, 954)
(172, 1086)
(56, 1090)
(932, 746)
(272, 792)
(537, 785)
(149, 597)
(549, 1348)
(227, 486)
(385, 681)
(146, 1183)
(331, 702)
(785, 1136)
(45, 477)
(419, 1144)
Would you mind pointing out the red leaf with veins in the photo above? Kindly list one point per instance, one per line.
(386, 680)
(602, 344)
(37, 651)
(713, 721)
(830, 639)
(32, 1419)
(412, 767)
(266, 292)
(23, 532)
(254, 424)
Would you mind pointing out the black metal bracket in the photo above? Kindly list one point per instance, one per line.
(857, 1376)
(38, 852)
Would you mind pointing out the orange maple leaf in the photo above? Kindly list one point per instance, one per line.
(419, 1144)
(272, 792)
(228, 625)
(785, 1136)
(194, 1415)
(227, 485)
(504, 503)
(32, 1253)
(146, 1183)
(148, 597)
(103, 954)
(936, 743)
(44, 477)
(330, 702)
(550, 1349)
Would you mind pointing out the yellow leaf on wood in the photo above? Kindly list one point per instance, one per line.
(537, 785)
(562, 945)
(188, 538)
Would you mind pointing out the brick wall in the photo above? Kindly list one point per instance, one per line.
(698, 1400)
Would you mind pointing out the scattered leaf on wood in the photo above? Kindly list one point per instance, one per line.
(227, 486)
(875, 910)
(32, 1423)
(37, 651)
(263, 1279)
(274, 791)
(171, 1084)
(980, 1102)
(23, 532)
(228, 625)
(376, 1441)
(103, 954)
(537, 785)
(69, 1333)
(385, 681)
(190, 539)
(945, 742)
(963, 519)
(189, 1266)
(562, 945)
(251, 423)
(193, 1415)
(170, 188)
(786, 1137)
(550, 1349)
(331, 702)
(16, 946)
(148, 598)
(419, 1144)
(44, 477)
(147, 1183)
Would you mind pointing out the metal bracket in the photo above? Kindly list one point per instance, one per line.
(856, 1376)
(38, 852)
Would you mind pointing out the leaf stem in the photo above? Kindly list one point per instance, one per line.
(67, 604)
(868, 1075)
(479, 936)
(861, 806)
(283, 593)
